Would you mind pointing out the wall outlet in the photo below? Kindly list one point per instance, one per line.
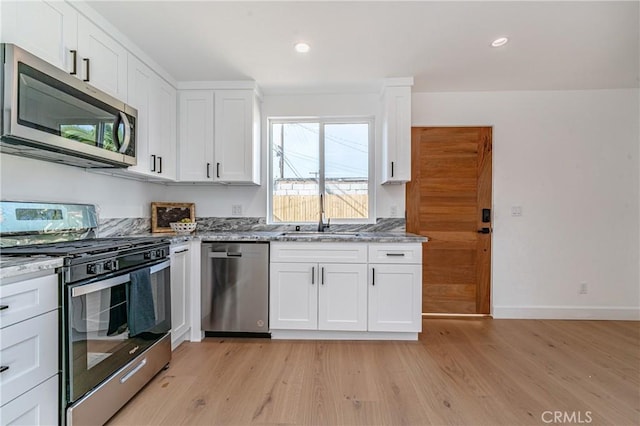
(393, 211)
(584, 288)
(236, 210)
(516, 210)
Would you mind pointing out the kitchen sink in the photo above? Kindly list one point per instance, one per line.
(315, 234)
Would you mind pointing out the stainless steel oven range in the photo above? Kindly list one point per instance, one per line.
(116, 317)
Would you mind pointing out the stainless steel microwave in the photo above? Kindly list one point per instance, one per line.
(51, 115)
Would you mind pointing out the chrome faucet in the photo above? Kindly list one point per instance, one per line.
(321, 225)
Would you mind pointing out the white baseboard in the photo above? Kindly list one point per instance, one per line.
(340, 335)
(567, 312)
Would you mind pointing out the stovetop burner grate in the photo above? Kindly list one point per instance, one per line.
(81, 247)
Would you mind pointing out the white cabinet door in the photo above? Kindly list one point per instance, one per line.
(293, 296)
(195, 136)
(237, 132)
(29, 354)
(155, 101)
(102, 61)
(47, 29)
(395, 298)
(139, 96)
(162, 131)
(39, 406)
(180, 294)
(342, 297)
(396, 135)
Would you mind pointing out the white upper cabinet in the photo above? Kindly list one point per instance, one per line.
(195, 126)
(237, 137)
(47, 29)
(396, 133)
(57, 33)
(102, 61)
(155, 101)
(219, 136)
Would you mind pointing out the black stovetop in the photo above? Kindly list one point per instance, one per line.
(81, 248)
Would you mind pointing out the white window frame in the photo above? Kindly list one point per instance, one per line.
(370, 120)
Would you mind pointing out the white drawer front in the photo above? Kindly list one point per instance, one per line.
(30, 351)
(319, 252)
(39, 406)
(26, 299)
(395, 253)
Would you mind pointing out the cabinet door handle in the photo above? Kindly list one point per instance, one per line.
(208, 170)
(373, 276)
(392, 169)
(4, 368)
(395, 254)
(313, 275)
(153, 163)
(322, 273)
(74, 65)
(180, 251)
(87, 67)
(3, 307)
(217, 170)
(160, 164)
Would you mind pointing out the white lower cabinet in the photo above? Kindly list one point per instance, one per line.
(29, 351)
(342, 297)
(293, 296)
(331, 287)
(313, 296)
(39, 406)
(180, 293)
(395, 298)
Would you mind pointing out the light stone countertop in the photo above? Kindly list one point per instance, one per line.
(353, 237)
(12, 266)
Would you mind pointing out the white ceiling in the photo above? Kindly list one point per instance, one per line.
(444, 45)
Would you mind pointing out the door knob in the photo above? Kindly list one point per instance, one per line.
(484, 231)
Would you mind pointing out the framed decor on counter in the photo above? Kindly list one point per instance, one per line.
(162, 214)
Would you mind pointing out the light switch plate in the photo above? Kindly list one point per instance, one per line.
(516, 210)
(236, 210)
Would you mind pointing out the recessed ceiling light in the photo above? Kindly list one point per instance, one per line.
(302, 47)
(499, 42)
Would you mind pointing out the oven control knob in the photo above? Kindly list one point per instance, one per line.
(111, 265)
(148, 255)
(94, 268)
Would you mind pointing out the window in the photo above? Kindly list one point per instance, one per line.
(331, 157)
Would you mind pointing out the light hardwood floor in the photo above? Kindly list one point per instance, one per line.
(463, 372)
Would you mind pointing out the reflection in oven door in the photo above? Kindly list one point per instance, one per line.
(111, 322)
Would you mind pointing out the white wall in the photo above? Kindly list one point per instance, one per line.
(24, 179)
(570, 159)
(217, 200)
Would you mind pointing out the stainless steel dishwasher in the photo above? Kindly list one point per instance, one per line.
(235, 288)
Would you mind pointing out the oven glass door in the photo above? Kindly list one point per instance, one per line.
(112, 321)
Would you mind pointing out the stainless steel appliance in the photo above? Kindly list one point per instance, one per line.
(116, 310)
(51, 115)
(235, 288)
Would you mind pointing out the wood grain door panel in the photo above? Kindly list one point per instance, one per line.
(450, 185)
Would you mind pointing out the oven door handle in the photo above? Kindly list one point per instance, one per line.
(81, 290)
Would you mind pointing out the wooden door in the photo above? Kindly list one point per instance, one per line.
(450, 185)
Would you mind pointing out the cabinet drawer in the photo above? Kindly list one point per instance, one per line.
(26, 299)
(39, 406)
(319, 252)
(395, 253)
(30, 351)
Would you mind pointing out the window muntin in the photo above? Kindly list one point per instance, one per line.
(322, 156)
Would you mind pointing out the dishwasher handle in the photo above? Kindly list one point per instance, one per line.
(225, 254)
